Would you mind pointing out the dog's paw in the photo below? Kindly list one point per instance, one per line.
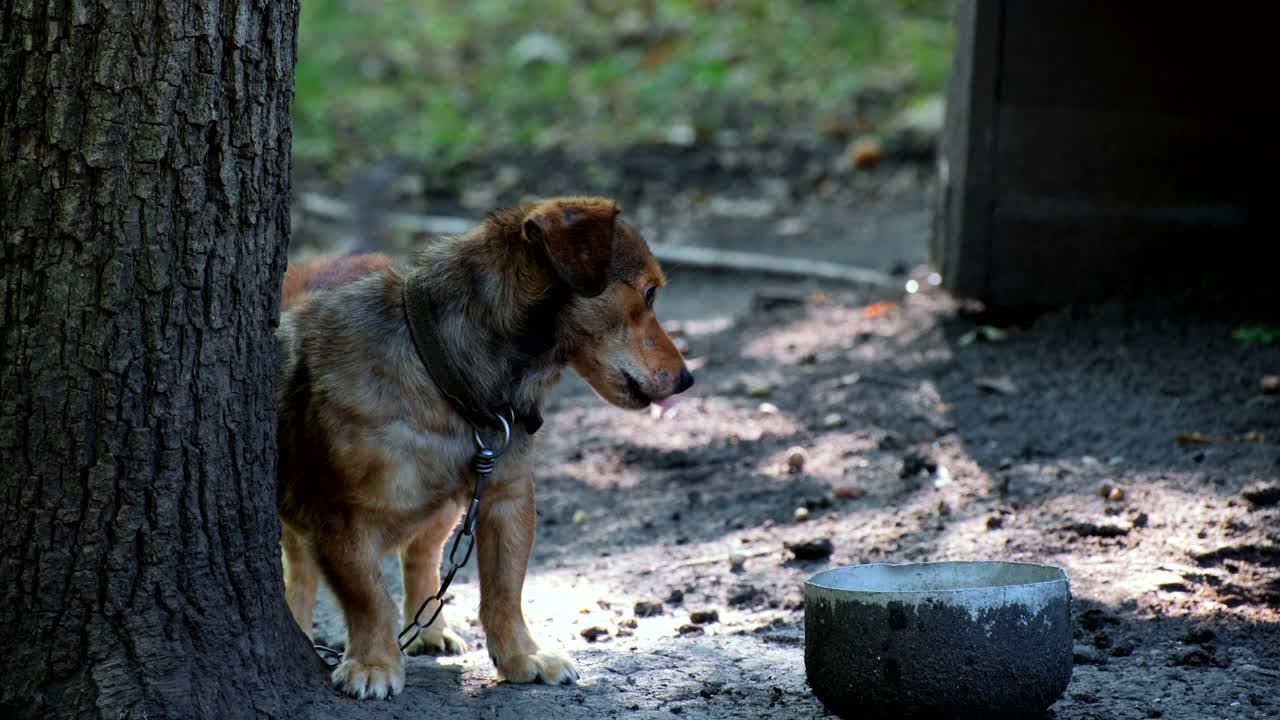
(437, 641)
(552, 668)
(374, 680)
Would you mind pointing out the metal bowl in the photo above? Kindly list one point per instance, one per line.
(941, 639)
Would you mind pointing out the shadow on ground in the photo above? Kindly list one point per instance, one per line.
(1056, 444)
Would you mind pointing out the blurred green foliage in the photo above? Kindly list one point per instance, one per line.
(1257, 334)
(442, 80)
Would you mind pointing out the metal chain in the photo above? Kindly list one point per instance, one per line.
(482, 464)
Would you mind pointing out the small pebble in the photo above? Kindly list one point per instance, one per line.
(1262, 495)
(1271, 384)
(1103, 530)
(630, 623)
(594, 633)
(579, 517)
(914, 463)
(1199, 635)
(816, 549)
(648, 608)
(995, 522)
(767, 408)
(1086, 655)
(758, 389)
(1116, 494)
(1192, 657)
(832, 420)
(690, 629)
(704, 617)
(801, 514)
(737, 559)
(796, 458)
(676, 596)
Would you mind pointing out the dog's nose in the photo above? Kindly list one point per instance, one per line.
(685, 382)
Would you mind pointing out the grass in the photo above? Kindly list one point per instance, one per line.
(440, 80)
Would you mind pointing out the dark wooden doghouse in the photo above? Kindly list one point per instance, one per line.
(1094, 148)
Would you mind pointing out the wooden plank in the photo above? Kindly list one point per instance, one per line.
(959, 245)
(1105, 145)
(1120, 158)
(1123, 55)
(1042, 262)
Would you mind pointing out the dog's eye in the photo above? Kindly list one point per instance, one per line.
(650, 294)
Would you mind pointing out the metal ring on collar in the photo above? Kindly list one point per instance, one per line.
(506, 435)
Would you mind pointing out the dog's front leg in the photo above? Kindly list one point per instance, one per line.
(372, 666)
(504, 542)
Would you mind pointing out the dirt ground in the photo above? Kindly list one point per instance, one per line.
(1056, 443)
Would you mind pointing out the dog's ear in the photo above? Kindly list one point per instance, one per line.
(577, 234)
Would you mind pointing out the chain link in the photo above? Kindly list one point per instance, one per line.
(482, 464)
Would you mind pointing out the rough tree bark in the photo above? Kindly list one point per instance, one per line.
(144, 180)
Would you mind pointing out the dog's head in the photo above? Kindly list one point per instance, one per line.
(613, 338)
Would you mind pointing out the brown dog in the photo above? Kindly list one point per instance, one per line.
(374, 452)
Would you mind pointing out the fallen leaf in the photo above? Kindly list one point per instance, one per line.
(878, 309)
(847, 380)
(1193, 438)
(849, 492)
(792, 226)
(1271, 384)
(992, 333)
(865, 152)
(1002, 385)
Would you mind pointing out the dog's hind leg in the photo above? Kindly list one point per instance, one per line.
(504, 542)
(301, 579)
(420, 566)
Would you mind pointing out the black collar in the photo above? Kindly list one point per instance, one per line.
(419, 313)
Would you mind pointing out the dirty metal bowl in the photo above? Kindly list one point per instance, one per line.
(940, 639)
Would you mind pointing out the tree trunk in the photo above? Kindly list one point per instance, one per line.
(144, 182)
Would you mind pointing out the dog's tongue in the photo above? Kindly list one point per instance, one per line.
(667, 403)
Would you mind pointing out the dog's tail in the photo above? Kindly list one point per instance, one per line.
(328, 272)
